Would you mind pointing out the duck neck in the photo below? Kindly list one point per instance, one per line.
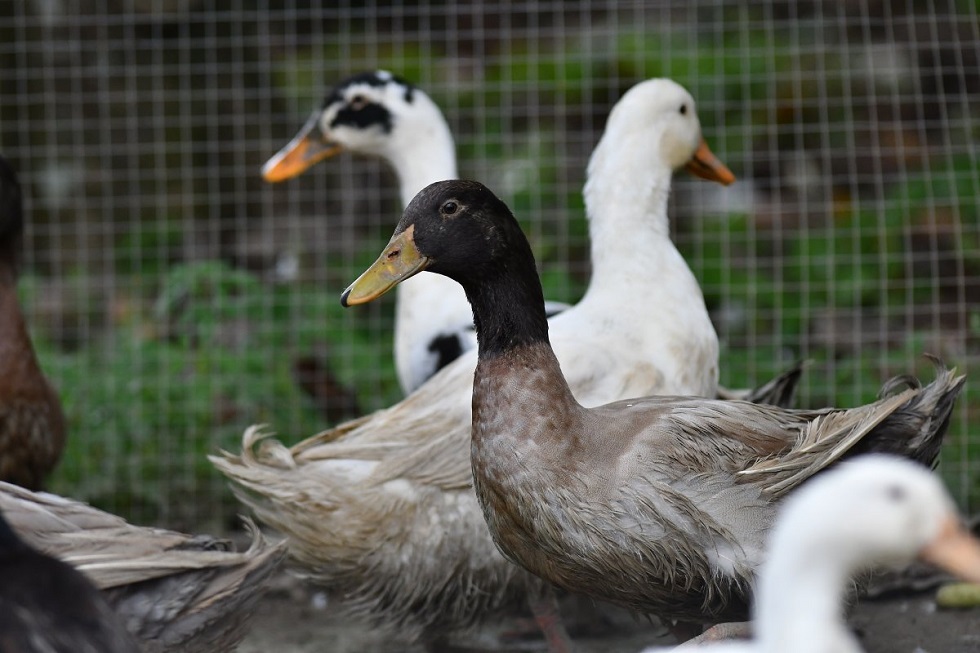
(810, 610)
(617, 204)
(508, 306)
(427, 154)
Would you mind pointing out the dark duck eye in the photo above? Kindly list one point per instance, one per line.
(896, 493)
(450, 207)
(683, 109)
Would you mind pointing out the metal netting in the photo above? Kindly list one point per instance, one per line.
(171, 292)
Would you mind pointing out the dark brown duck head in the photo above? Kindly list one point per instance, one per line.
(460, 229)
(32, 424)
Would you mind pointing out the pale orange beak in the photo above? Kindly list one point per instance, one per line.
(307, 148)
(955, 550)
(706, 165)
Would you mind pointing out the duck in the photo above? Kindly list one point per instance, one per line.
(872, 511)
(46, 606)
(381, 509)
(32, 422)
(379, 114)
(659, 504)
(173, 591)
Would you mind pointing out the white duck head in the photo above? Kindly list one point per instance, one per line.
(872, 511)
(875, 510)
(656, 123)
(377, 114)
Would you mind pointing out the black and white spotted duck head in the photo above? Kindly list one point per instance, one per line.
(456, 228)
(373, 113)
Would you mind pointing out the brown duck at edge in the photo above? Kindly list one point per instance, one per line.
(32, 424)
(658, 504)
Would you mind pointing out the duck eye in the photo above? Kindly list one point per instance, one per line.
(896, 493)
(683, 109)
(358, 102)
(450, 207)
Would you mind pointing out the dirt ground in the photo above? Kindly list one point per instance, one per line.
(296, 619)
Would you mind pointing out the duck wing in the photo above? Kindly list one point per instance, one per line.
(175, 592)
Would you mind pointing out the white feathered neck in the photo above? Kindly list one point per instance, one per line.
(422, 151)
(638, 275)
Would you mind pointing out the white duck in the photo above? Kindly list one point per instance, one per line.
(379, 114)
(382, 509)
(873, 511)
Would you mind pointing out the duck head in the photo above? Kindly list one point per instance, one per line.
(655, 121)
(373, 113)
(456, 228)
(881, 509)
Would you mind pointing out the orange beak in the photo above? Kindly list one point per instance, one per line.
(954, 550)
(308, 147)
(706, 165)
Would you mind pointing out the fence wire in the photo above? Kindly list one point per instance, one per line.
(172, 294)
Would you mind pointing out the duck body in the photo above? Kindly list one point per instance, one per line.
(658, 504)
(32, 423)
(46, 606)
(382, 509)
(174, 592)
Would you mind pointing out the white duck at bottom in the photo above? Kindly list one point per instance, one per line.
(875, 510)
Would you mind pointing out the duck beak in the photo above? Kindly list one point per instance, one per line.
(706, 165)
(308, 147)
(399, 261)
(954, 550)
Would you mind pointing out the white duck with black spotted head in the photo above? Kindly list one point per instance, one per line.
(379, 114)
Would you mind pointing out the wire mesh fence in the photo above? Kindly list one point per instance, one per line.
(173, 295)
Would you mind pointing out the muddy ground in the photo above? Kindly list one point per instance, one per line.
(294, 618)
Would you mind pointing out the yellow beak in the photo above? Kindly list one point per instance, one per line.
(399, 261)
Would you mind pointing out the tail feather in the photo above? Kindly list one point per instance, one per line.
(780, 391)
(911, 424)
(917, 429)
